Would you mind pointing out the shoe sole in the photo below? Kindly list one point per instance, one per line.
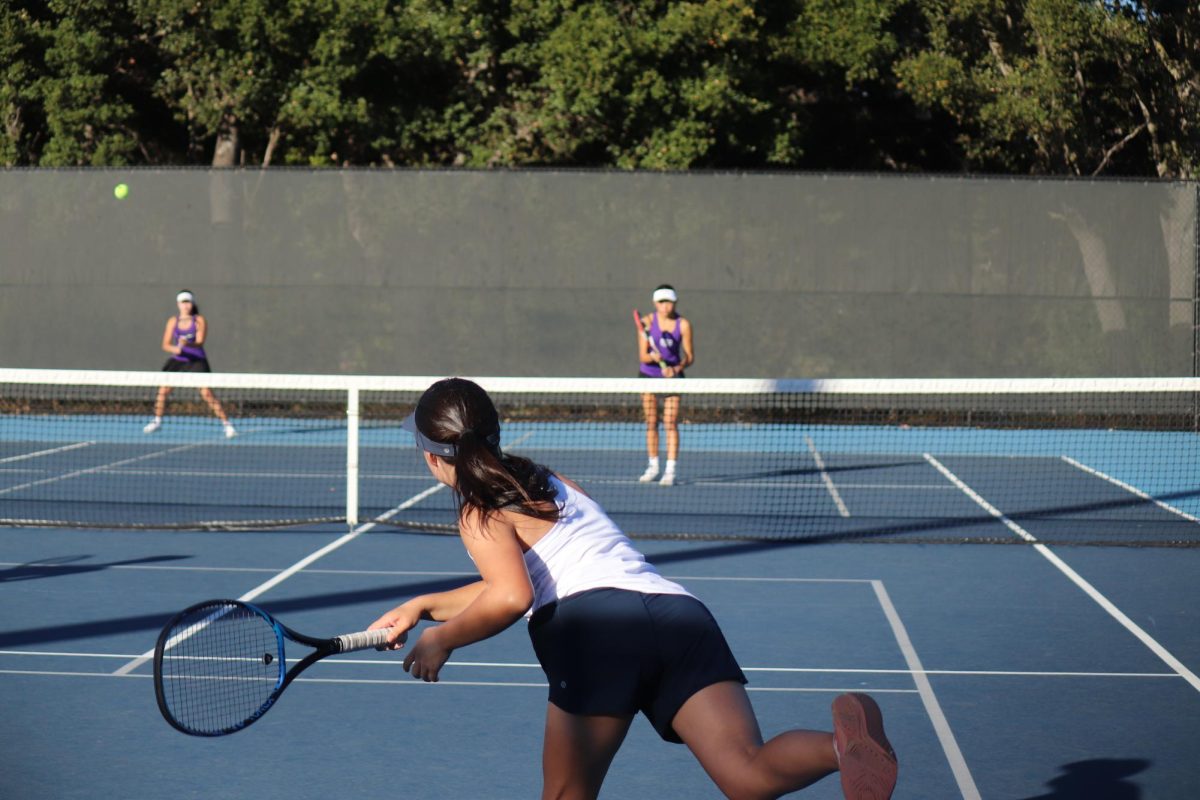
(868, 763)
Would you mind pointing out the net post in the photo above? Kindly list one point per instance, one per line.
(1196, 305)
(352, 456)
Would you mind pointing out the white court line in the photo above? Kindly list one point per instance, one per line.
(49, 452)
(304, 562)
(1091, 591)
(772, 670)
(100, 468)
(828, 481)
(708, 483)
(162, 567)
(391, 662)
(958, 764)
(904, 487)
(213, 473)
(396, 572)
(984, 504)
(408, 681)
(1128, 488)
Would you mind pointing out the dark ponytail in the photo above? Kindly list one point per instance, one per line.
(459, 412)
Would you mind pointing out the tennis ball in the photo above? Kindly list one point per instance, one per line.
(120, 191)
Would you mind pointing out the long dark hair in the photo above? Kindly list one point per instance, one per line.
(459, 412)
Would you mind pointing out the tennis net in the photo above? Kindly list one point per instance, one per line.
(1058, 461)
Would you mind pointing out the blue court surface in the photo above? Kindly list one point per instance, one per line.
(1014, 672)
(766, 481)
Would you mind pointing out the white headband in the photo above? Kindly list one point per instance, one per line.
(179, 298)
(665, 294)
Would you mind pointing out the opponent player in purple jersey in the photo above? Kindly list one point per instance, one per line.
(665, 353)
(184, 339)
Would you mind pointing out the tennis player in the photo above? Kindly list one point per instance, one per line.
(665, 352)
(184, 339)
(613, 636)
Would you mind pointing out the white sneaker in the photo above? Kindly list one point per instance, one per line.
(229, 431)
(650, 474)
(152, 426)
(668, 479)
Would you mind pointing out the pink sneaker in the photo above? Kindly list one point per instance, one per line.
(866, 759)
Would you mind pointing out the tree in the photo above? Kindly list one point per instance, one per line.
(68, 95)
(22, 56)
(1168, 89)
(1038, 87)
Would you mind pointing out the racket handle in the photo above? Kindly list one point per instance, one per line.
(364, 640)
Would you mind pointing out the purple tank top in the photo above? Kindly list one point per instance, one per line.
(668, 344)
(186, 336)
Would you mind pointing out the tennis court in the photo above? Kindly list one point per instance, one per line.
(823, 527)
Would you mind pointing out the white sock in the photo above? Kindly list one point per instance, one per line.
(652, 462)
(670, 470)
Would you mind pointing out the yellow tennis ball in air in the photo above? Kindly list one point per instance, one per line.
(120, 191)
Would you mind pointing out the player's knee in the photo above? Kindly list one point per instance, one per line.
(568, 789)
(745, 786)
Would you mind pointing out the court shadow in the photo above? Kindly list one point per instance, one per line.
(1095, 779)
(701, 479)
(1074, 524)
(151, 623)
(71, 565)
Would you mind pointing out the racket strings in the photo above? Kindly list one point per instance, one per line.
(220, 665)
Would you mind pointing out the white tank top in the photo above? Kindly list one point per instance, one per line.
(586, 550)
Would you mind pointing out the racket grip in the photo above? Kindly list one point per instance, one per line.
(364, 640)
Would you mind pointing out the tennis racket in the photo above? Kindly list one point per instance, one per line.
(644, 330)
(219, 665)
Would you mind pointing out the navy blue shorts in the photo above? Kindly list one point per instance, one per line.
(617, 652)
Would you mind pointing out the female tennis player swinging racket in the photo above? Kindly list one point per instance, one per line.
(612, 635)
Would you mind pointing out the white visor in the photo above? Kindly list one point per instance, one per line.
(665, 294)
(179, 298)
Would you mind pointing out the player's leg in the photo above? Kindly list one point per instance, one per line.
(650, 410)
(215, 405)
(577, 752)
(160, 402)
(671, 428)
(160, 408)
(718, 725)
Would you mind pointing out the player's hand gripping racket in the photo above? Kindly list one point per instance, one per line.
(219, 665)
(644, 330)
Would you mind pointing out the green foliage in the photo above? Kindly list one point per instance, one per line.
(20, 54)
(1041, 86)
(63, 99)
(1027, 86)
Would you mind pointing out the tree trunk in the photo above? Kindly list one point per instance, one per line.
(225, 154)
(220, 187)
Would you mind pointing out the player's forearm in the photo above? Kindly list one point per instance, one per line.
(441, 606)
(494, 609)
